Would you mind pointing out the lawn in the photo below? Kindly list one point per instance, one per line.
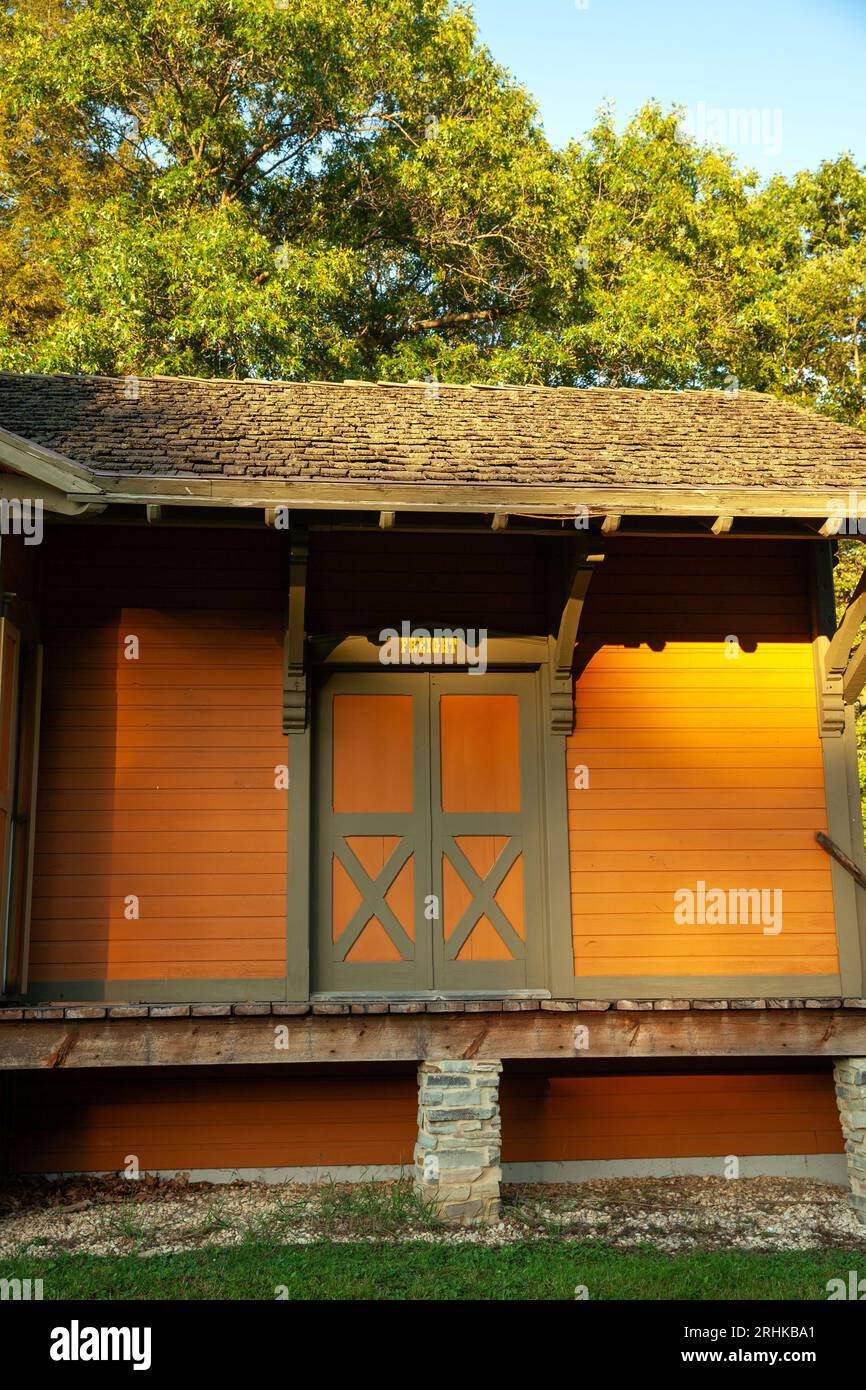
(431, 1270)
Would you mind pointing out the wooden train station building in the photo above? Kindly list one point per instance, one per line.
(453, 778)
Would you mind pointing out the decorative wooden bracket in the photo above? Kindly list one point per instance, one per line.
(562, 647)
(844, 674)
(294, 674)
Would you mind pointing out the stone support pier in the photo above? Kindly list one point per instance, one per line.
(457, 1156)
(850, 1077)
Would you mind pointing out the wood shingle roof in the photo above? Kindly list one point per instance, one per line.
(162, 427)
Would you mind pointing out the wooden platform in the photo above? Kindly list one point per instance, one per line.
(393, 1031)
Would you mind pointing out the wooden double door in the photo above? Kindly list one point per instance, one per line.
(426, 833)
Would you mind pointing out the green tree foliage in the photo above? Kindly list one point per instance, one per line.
(300, 189)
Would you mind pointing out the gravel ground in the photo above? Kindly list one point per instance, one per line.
(114, 1216)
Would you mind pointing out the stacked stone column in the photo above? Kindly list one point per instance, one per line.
(457, 1156)
(850, 1076)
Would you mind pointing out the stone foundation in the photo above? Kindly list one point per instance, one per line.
(850, 1077)
(457, 1156)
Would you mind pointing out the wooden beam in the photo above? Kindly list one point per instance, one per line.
(16, 487)
(855, 675)
(611, 523)
(153, 511)
(70, 1045)
(447, 498)
(387, 521)
(839, 661)
(839, 649)
(35, 461)
(499, 522)
(841, 857)
(722, 525)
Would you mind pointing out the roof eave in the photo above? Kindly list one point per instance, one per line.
(46, 466)
(448, 497)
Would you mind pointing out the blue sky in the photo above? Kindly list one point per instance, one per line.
(780, 82)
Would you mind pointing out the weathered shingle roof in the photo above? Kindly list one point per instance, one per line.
(177, 426)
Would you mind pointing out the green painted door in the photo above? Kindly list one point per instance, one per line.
(426, 840)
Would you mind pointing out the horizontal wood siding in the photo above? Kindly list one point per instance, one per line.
(700, 766)
(671, 1116)
(157, 775)
(91, 1122)
(241, 1120)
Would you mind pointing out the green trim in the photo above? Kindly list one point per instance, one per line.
(706, 987)
(328, 972)
(428, 830)
(858, 847)
(841, 784)
(557, 875)
(527, 968)
(160, 991)
(298, 854)
(363, 649)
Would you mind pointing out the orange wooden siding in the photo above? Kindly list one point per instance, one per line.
(671, 1116)
(68, 1122)
(247, 1120)
(157, 775)
(700, 767)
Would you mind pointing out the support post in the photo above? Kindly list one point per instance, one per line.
(457, 1156)
(850, 1077)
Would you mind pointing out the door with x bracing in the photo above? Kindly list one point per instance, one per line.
(427, 833)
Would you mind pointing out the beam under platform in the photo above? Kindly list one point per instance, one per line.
(557, 1034)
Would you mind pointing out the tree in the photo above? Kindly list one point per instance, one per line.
(240, 187)
(292, 188)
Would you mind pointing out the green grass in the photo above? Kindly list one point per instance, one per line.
(374, 1209)
(541, 1269)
